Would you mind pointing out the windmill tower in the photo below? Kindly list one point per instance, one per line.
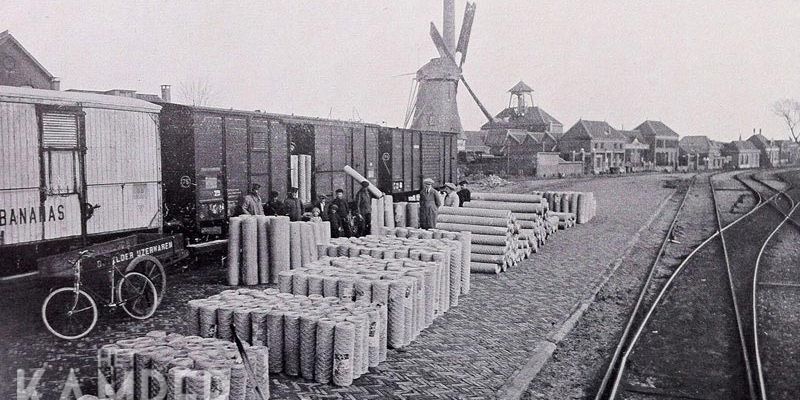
(435, 107)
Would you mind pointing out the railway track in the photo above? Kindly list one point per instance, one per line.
(774, 299)
(691, 339)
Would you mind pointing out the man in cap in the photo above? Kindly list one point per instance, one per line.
(364, 206)
(429, 203)
(293, 205)
(251, 204)
(342, 209)
(274, 206)
(451, 198)
(323, 206)
(464, 195)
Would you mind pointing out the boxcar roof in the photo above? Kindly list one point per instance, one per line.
(90, 100)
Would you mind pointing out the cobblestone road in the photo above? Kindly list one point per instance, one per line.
(469, 353)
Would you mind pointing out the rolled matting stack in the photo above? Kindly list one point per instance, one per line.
(400, 214)
(180, 365)
(302, 178)
(302, 330)
(360, 178)
(234, 249)
(258, 249)
(263, 249)
(279, 247)
(412, 215)
(388, 211)
(494, 236)
(294, 171)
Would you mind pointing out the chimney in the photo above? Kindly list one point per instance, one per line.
(759, 131)
(166, 93)
(55, 84)
(449, 25)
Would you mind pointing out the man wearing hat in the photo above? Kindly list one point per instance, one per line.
(293, 205)
(364, 207)
(451, 198)
(464, 195)
(323, 206)
(429, 203)
(251, 204)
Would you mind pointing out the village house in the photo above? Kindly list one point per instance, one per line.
(597, 144)
(19, 68)
(700, 153)
(635, 150)
(743, 154)
(770, 153)
(789, 152)
(663, 142)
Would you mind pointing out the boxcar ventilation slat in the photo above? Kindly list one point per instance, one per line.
(59, 130)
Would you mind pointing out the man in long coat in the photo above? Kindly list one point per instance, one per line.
(251, 204)
(429, 203)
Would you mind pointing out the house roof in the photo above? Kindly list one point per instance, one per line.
(632, 135)
(656, 128)
(521, 87)
(533, 118)
(87, 100)
(593, 130)
(7, 37)
(696, 144)
(760, 141)
(740, 145)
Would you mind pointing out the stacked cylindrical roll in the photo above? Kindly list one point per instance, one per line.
(582, 204)
(171, 366)
(413, 290)
(300, 175)
(260, 247)
(310, 336)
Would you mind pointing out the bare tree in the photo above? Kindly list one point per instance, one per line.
(197, 92)
(789, 111)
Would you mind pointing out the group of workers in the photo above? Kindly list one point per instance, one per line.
(352, 218)
(346, 218)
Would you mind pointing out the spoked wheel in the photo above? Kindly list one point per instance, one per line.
(150, 267)
(137, 295)
(69, 314)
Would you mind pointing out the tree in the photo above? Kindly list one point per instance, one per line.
(789, 111)
(197, 92)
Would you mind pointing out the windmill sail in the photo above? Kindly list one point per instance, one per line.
(466, 30)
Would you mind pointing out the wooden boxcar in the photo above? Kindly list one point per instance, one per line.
(76, 165)
(211, 156)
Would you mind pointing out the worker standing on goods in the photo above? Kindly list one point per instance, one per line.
(364, 206)
(293, 205)
(342, 210)
(464, 195)
(274, 206)
(251, 204)
(451, 198)
(429, 203)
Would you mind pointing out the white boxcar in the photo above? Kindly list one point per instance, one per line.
(63, 153)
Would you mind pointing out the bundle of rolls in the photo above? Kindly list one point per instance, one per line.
(411, 289)
(300, 174)
(260, 247)
(324, 339)
(495, 236)
(451, 249)
(173, 366)
(582, 204)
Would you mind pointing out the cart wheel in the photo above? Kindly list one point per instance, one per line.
(69, 314)
(150, 267)
(137, 295)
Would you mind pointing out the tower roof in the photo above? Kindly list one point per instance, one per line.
(520, 87)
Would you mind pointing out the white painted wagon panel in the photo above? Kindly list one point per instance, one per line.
(14, 228)
(142, 205)
(109, 217)
(68, 217)
(121, 147)
(19, 146)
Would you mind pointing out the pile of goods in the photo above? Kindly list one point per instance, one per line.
(450, 249)
(260, 247)
(300, 174)
(581, 204)
(414, 291)
(169, 366)
(324, 339)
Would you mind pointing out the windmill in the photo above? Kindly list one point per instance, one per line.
(434, 106)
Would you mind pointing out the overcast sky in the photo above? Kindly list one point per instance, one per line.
(702, 67)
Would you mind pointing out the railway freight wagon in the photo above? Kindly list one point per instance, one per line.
(211, 156)
(75, 167)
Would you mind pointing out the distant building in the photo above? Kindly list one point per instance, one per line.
(789, 152)
(19, 68)
(596, 143)
(635, 151)
(700, 153)
(521, 114)
(770, 153)
(663, 142)
(743, 154)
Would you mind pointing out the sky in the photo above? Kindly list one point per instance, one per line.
(703, 67)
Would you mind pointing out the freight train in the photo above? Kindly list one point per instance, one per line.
(83, 167)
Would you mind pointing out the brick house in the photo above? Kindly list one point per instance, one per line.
(700, 153)
(770, 153)
(789, 152)
(598, 144)
(743, 154)
(635, 150)
(663, 142)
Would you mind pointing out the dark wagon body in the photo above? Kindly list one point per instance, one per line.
(211, 156)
